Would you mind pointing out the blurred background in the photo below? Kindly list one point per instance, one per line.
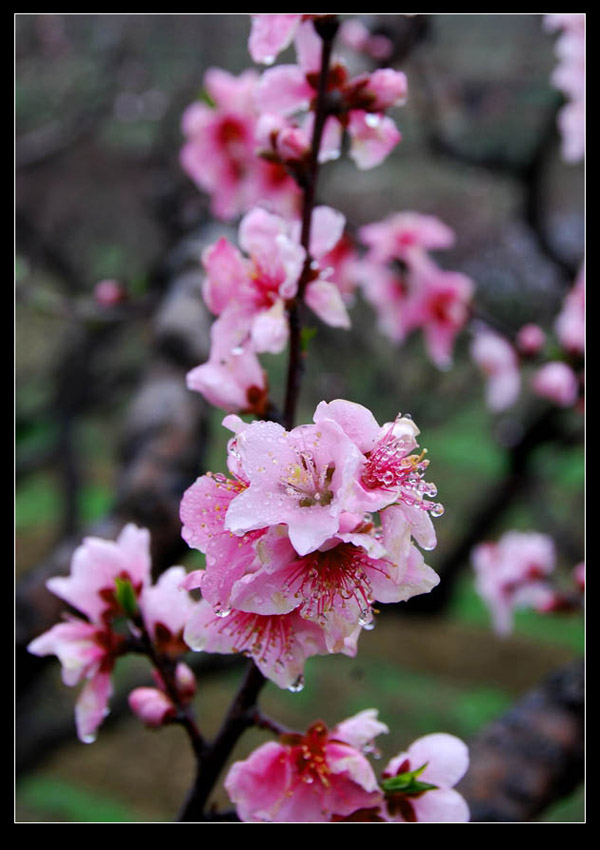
(106, 431)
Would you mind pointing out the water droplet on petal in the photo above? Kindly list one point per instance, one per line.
(437, 510)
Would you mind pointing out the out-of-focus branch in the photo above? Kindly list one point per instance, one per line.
(532, 756)
(530, 172)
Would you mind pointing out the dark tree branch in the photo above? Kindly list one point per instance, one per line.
(532, 756)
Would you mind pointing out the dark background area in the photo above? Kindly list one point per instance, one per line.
(105, 430)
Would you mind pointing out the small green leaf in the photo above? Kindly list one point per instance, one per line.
(306, 334)
(206, 98)
(125, 596)
(407, 783)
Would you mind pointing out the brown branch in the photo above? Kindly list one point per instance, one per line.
(241, 716)
(326, 28)
(532, 756)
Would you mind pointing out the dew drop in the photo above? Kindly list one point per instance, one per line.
(365, 619)
(297, 685)
(222, 612)
(437, 510)
(373, 120)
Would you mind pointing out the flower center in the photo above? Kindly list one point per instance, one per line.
(326, 580)
(308, 754)
(307, 483)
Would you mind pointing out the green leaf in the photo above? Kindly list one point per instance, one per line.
(125, 596)
(407, 783)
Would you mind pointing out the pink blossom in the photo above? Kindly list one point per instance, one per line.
(396, 236)
(87, 653)
(299, 478)
(248, 289)
(235, 382)
(307, 778)
(557, 382)
(438, 760)
(279, 644)
(407, 289)
(95, 566)
(270, 34)
(513, 573)
(165, 609)
(389, 474)
(579, 576)
(569, 77)
(291, 89)
(570, 323)
(88, 649)
(356, 35)
(498, 361)
(439, 303)
(219, 153)
(336, 585)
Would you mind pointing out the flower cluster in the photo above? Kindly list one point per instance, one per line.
(324, 775)
(311, 528)
(110, 581)
(406, 287)
(569, 77)
(248, 291)
(286, 96)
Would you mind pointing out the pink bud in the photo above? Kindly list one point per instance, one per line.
(151, 705)
(530, 339)
(107, 293)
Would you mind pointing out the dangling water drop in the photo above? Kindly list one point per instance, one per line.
(437, 510)
(297, 685)
(365, 619)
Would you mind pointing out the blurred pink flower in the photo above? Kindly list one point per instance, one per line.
(569, 77)
(499, 364)
(570, 323)
(513, 573)
(557, 382)
(290, 89)
(270, 34)
(220, 149)
(407, 289)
